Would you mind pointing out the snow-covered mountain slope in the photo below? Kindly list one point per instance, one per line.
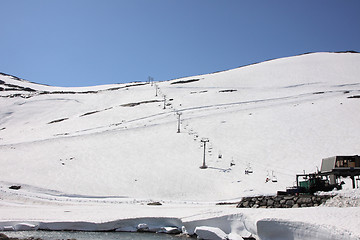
(277, 117)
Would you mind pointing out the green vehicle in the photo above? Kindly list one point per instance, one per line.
(316, 183)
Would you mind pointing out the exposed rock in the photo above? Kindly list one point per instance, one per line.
(228, 90)
(185, 81)
(154, 204)
(138, 103)
(304, 200)
(288, 197)
(283, 201)
(89, 113)
(263, 203)
(58, 120)
(15, 187)
(3, 237)
(277, 205)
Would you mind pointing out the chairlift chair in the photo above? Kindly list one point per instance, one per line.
(273, 179)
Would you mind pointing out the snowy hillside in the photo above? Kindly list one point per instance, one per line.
(278, 117)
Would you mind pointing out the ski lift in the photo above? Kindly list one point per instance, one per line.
(232, 163)
(273, 179)
(305, 177)
(250, 170)
(267, 179)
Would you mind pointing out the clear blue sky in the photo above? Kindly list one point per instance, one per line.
(92, 42)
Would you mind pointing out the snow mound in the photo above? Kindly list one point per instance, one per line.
(348, 198)
(210, 233)
(271, 229)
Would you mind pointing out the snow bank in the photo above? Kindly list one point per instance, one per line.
(276, 229)
(159, 225)
(237, 224)
(155, 225)
(212, 233)
(244, 223)
(147, 224)
(25, 227)
(347, 198)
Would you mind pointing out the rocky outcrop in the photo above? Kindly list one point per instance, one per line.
(154, 204)
(283, 201)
